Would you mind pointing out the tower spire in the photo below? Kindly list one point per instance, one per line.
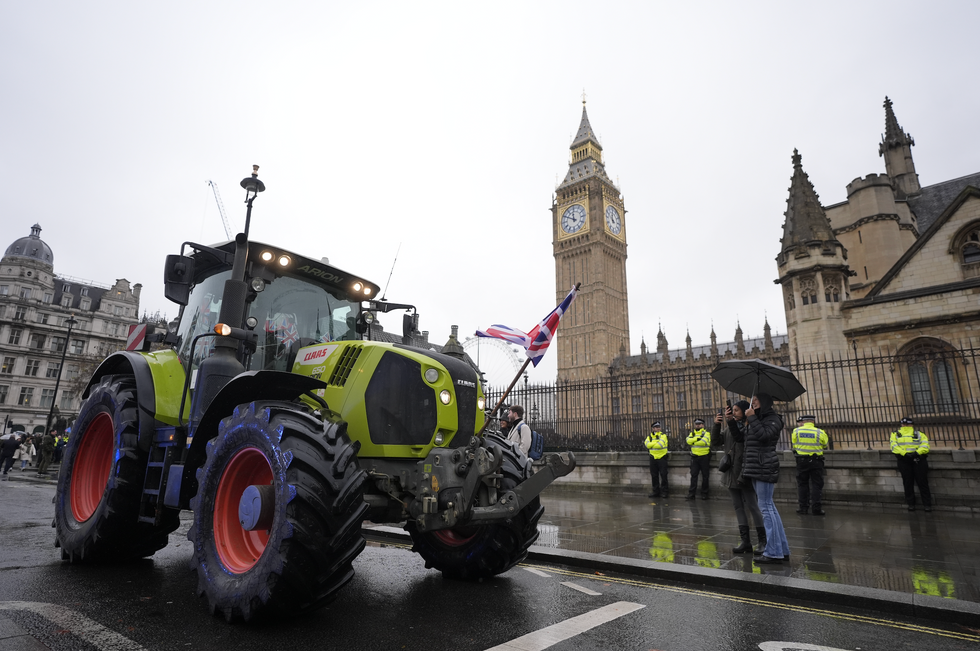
(806, 220)
(896, 148)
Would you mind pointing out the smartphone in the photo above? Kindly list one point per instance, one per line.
(728, 403)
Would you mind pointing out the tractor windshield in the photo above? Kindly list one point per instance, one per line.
(291, 313)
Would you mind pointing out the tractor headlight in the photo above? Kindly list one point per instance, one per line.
(481, 403)
(445, 396)
(431, 375)
(440, 439)
(257, 284)
(251, 322)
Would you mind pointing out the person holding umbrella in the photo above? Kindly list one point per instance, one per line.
(761, 465)
(739, 488)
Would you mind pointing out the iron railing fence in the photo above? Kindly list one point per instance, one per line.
(858, 398)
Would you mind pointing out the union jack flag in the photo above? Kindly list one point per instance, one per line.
(289, 335)
(537, 341)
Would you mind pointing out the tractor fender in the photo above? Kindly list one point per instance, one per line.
(242, 389)
(129, 362)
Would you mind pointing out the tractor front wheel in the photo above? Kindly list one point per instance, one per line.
(484, 550)
(277, 516)
(101, 481)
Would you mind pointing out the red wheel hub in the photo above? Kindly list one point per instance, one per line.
(93, 463)
(453, 538)
(239, 549)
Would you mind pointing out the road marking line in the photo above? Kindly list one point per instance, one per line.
(79, 625)
(877, 621)
(538, 572)
(569, 628)
(575, 586)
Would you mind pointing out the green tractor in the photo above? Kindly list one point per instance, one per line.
(274, 418)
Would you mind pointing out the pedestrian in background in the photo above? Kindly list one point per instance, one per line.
(762, 467)
(520, 432)
(809, 442)
(47, 451)
(504, 423)
(740, 489)
(699, 441)
(911, 447)
(26, 451)
(656, 443)
(8, 447)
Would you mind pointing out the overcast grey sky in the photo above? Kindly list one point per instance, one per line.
(442, 127)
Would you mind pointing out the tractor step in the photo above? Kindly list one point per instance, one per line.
(160, 457)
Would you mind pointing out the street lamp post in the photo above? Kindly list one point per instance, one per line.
(64, 351)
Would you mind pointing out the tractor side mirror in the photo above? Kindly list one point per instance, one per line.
(410, 324)
(177, 277)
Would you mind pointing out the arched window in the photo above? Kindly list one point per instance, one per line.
(808, 291)
(931, 367)
(971, 252)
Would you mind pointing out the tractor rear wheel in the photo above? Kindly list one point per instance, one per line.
(101, 481)
(484, 550)
(302, 476)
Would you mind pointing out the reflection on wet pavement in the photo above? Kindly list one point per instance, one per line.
(934, 553)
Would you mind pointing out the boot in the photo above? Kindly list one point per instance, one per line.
(761, 547)
(746, 546)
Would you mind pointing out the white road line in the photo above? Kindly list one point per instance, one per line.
(569, 628)
(79, 625)
(538, 572)
(795, 646)
(575, 586)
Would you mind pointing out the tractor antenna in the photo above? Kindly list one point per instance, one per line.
(385, 292)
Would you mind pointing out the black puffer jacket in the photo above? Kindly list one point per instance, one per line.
(761, 436)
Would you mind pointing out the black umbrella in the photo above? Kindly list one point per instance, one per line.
(747, 377)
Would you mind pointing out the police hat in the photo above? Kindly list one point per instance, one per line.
(809, 418)
(799, 419)
(905, 421)
(657, 424)
(698, 421)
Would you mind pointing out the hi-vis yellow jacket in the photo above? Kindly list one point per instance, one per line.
(700, 442)
(656, 443)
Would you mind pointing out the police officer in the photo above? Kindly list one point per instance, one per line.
(656, 443)
(911, 447)
(700, 443)
(809, 442)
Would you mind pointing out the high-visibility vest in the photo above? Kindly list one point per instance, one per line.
(656, 443)
(809, 439)
(700, 442)
(908, 439)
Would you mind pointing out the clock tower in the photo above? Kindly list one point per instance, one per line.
(589, 239)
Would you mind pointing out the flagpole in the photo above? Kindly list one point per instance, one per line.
(504, 397)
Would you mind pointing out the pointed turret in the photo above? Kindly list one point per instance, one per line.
(662, 344)
(739, 342)
(689, 354)
(806, 220)
(643, 348)
(768, 338)
(586, 158)
(714, 342)
(896, 147)
(452, 347)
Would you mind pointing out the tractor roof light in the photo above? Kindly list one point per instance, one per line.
(367, 291)
(284, 261)
(258, 284)
(267, 256)
(357, 287)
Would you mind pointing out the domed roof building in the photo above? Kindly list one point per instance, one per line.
(49, 320)
(31, 246)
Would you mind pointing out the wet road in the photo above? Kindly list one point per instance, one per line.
(394, 603)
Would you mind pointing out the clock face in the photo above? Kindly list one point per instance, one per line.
(613, 221)
(573, 219)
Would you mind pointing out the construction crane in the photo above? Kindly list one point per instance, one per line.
(221, 209)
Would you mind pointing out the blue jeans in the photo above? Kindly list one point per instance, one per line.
(776, 544)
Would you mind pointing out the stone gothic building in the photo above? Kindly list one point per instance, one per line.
(891, 273)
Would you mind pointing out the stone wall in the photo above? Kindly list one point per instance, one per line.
(859, 478)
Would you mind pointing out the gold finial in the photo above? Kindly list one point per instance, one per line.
(583, 96)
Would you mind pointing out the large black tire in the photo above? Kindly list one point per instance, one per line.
(306, 555)
(101, 482)
(480, 551)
